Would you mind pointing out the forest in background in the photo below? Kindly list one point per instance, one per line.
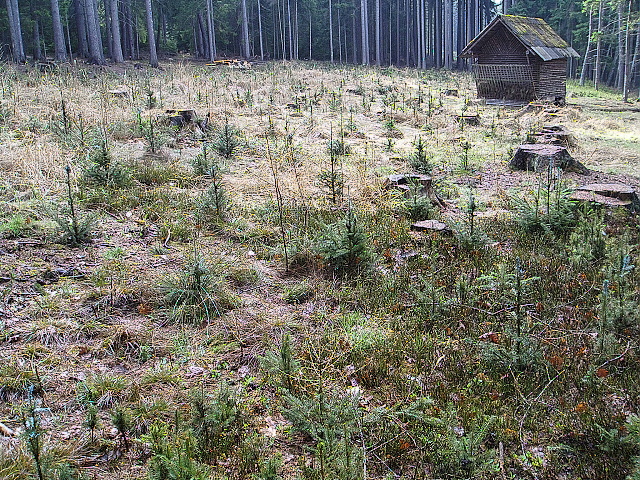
(415, 33)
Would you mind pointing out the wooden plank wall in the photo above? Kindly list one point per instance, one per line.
(552, 80)
(503, 48)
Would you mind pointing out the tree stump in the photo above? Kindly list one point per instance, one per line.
(538, 156)
(473, 120)
(181, 117)
(404, 182)
(608, 194)
(119, 92)
(553, 135)
(430, 226)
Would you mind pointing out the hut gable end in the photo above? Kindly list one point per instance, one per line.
(500, 47)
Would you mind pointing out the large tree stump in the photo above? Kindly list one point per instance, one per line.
(404, 183)
(181, 117)
(609, 194)
(538, 156)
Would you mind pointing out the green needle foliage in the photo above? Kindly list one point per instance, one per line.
(214, 202)
(420, 160)
(344, 246)
(192, 293)
(217, 423)
(226, 142)
(33, 435)
(91, 419)
(122, 422)
(173, 456)
(418, 205)
(547, 209)
(282, 363)
(75, 230)
(103, 171)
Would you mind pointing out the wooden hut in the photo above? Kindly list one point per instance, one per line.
(519, 59)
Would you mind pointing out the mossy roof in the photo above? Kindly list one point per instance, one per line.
(534, 33)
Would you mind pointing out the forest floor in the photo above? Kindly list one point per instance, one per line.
(406, 364)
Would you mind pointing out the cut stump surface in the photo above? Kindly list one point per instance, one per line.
(538, 156)
(609, 194)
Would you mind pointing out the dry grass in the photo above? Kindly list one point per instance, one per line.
(81, 317)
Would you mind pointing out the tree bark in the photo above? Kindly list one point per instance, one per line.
(636, 59)
(626, 74)
(15, 30)
(37, 44)
(96, 54)
(245, 30)
(107, 26)
(260, 31)
(621, 53)
(596, 74)
(290, 29)
(365, 31)
(211, 33)
(60, 51)
(331, 30)
(116, 49)
(378, 34)
(585, 61)
(448, 34)
(153, 53)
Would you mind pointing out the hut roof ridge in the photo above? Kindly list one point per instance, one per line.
(534, 33)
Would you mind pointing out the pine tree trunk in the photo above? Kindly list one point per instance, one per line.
(15, 30)
(448, 34)
(131, 34)
(107, 25)
(260, 31)
(118, 57)
(378, 33)
(331, 31)
(398, 32)
(585, 61)
(339, 38)
(60, 51)
(153, 53)
(354, 39)
(365, 31)
(407, 11)
(437, 35)
(419, 32)
(245, 31)
(636, 59)
(211, 33)
(627, 57)
(290, 29)
(96, 55)
(621, 53)
(81, 28)
(37, 44)
(596, 74)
